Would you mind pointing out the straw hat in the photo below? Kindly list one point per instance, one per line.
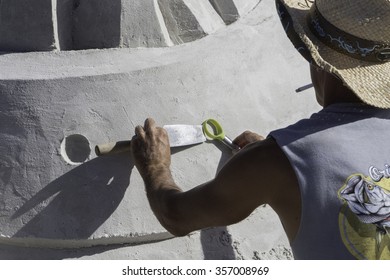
(350, 38)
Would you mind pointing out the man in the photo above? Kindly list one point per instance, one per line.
(326, 177)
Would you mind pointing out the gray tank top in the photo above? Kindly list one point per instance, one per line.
(341, 157)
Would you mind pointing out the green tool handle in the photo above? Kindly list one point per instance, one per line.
(217, 133)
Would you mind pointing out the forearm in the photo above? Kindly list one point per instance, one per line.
(162, 193)
(181, 212)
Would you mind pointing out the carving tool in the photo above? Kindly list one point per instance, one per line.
(217, 133)
(178, 134)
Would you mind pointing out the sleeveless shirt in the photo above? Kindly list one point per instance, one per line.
(341, 158)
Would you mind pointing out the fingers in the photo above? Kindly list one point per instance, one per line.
(140, 132)
(240, 141)
(149, 125)
(150, 146)
(246, 138)
(243, 139)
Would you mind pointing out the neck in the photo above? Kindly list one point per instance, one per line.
(341, 94)
(330, 89)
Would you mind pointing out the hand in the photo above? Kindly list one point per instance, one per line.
(150, 148)
(246, 138)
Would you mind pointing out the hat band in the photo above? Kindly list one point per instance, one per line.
(346, 43)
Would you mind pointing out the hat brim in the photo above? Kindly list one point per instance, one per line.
(370, 81)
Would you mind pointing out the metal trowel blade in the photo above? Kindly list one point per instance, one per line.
(184, 135)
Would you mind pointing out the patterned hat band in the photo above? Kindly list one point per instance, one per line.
(346, 43)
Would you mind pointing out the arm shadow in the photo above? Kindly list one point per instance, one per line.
(76, 204)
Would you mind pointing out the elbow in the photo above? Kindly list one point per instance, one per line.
(176, 231)
(172, 218)
(174, 225)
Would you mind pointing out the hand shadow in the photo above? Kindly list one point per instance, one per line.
(80, 200)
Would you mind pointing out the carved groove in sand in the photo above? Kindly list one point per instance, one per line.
(45, 25)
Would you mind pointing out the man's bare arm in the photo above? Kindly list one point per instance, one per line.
(247, 181)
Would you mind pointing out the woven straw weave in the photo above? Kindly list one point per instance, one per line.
(366, 19)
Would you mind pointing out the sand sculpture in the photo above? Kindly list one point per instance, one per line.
(78, 73)
(89, 24)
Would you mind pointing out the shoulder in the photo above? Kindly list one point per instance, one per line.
(267, 155)
(263, 169)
